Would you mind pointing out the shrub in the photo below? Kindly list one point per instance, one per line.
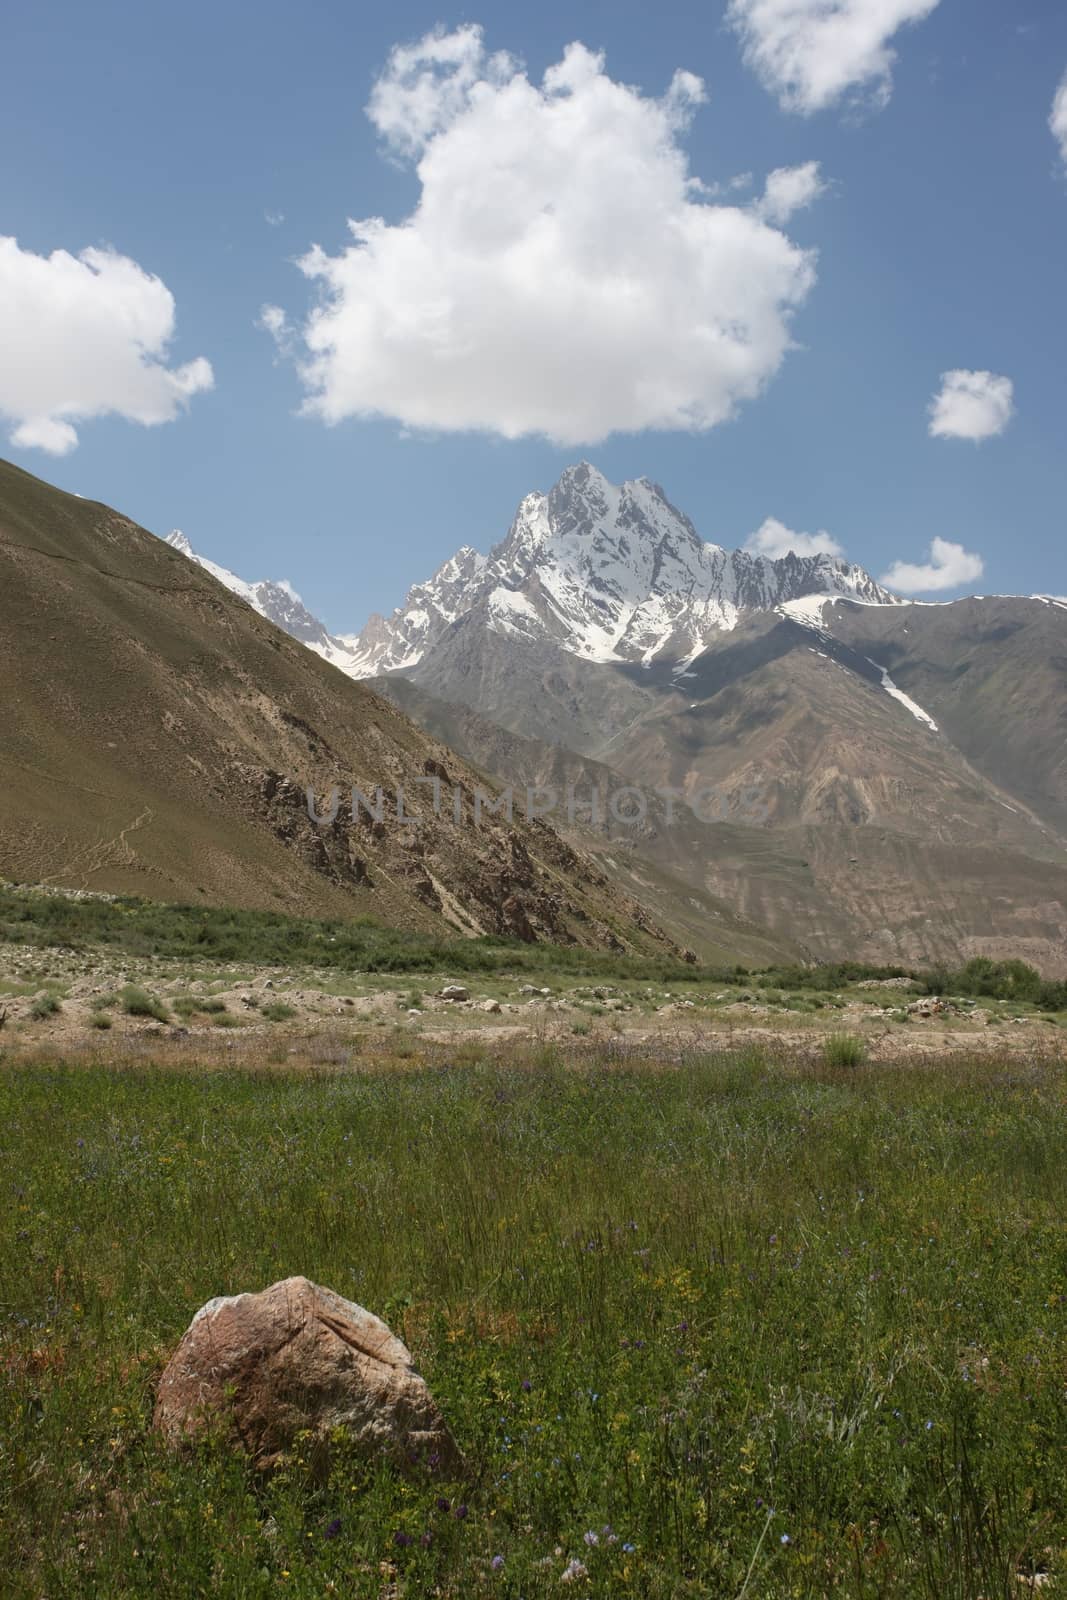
(278, 1011)
(999, 980)
(844, 1050)
(45, 1005)
(137, 1002)
(99, 1020)
(188, 1005)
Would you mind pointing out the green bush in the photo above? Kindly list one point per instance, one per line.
(137, 1002)
(844, 1050)
(999, 980)
(278, 1011)
(188, 1005)
(45, 1005)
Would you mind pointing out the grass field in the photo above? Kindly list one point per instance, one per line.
(703, 1327)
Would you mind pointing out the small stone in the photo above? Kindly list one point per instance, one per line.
(453, 991)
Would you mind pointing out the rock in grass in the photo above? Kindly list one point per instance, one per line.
(453, 991)
(297, 1357)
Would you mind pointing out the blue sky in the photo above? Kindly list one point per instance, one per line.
(170, 133)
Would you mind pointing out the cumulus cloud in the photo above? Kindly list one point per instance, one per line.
(774, 539)
(1058, 119)
(85, 336)
(811, 53)
(562, 273)
(789, 189)
(971, 405)
(949, 567)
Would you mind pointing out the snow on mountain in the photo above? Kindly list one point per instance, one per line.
(388, 644)
(277, 601)
(607, 573)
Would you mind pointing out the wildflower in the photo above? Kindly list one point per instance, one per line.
(628, 1549)
(496, 1563)
(929, 1425)
(573, 1572)
(460, 1513)
(591, 1538)
(785, 1539)
(402, 1539)
(427, 1540)
(443, 1504)
(332, 1529)
(526, 1385)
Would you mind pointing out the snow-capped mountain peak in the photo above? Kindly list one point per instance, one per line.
(606, 572)
(276, 600)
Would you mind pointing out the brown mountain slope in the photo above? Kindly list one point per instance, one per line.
(649, 850)
(993, 672)
(156, 737)
(871, 833)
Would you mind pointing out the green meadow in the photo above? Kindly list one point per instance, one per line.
(703, 1326)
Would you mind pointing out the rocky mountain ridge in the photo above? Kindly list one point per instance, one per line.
(604, 572)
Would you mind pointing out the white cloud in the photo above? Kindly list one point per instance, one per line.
(810, 53)
(971, 405)
(789, 189)
(274, 321)
(274, 219)
(1058, 119)
(84, 337)
(949, 567)
(562, 273)
(774, 539)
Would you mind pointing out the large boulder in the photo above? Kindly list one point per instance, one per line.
(297, 1357)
